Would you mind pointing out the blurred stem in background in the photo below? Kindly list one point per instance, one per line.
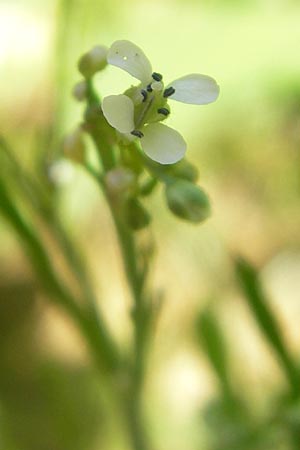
(266, 320)
(228, 417)
(35, 195)
(64, 28)
(85, 312)
(258, 304)
(212, 341)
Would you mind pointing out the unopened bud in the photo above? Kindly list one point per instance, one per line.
(119, 180)
(137, 216)
(185, 170)
(148, 187)
(93, 61)
(73, 146)
(80, 91)
(187, 201)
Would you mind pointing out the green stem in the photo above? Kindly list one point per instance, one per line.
(111, 367)
(267, 321)
(37, 199)
(129, 254)
(107, 355)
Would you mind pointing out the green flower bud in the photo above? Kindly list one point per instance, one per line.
(137, 216)
(80, 91)
(187, 201)
(185, 170)
(148, 186)
(93, 61)
(73, 146)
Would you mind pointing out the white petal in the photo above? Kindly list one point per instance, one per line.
(195, 89)
(119, 111)
(130, 57)
(163, 144)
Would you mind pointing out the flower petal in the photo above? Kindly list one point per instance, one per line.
(163, 144)
(118, 110)
(195, 89)
(130, 57)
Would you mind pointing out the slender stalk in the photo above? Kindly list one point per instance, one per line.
(38, 200)
(107, 355)
(267, 321)
(129, 255)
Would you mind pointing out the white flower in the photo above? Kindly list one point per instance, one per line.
(139, 111)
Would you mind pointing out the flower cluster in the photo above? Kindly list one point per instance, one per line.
(138, 112)
(118, 123)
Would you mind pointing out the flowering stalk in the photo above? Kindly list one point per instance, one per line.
(117, 125)
(81, 309)
(135, 278)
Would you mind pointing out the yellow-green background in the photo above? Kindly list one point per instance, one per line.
(247, 148)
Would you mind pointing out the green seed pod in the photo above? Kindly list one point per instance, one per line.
(137, 216)
(187, 201)
(93, 61)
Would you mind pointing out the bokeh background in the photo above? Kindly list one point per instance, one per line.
(247, 148)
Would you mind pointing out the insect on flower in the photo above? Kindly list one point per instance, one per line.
(139, 111)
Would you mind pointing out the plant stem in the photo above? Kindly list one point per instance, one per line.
(129, 255)
(267, 321)
(39, 201)
(96, 335)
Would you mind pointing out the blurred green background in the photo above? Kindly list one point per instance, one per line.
(247, 147)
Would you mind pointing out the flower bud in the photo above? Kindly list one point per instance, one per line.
(119, 180)
(73, 146)
(137, 216)
(187, 201)
(93, 61)
(148, 186)
(185, 170)
(80, 91)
